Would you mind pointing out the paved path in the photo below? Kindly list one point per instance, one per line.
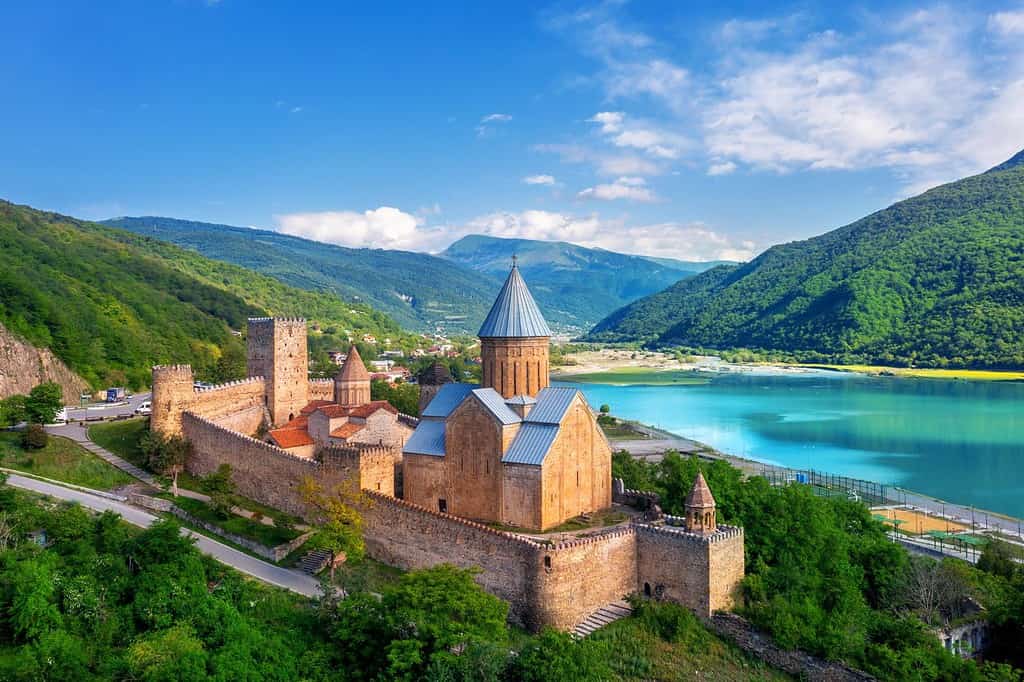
(80, 434)
(267, 572)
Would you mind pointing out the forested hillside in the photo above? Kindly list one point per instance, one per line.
(935, 280)
(111, 304)
(417, 290)
(577, 284)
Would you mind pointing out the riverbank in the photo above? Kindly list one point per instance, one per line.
(624, 367)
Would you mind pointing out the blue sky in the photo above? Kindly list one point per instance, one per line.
(695, 130)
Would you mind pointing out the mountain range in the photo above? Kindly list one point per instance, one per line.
(937, 279)
(574, 285)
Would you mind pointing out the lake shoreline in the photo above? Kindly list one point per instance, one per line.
(626, 367)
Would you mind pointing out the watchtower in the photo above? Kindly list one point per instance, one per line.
(515, 342)
(277, 352)
(352, 384)
(172, 394)
(700, 507)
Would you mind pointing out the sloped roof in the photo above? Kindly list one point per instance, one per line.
(353, 369)
(521, 400)
(427, 439)
(347, 430)
(495, 404)
(364, 411)
(299, 422)
(447, 399)
(531, 444)
(291, 438)
(552, 403)
(700, 494)
(514, 313)
(314, 405)
(333, 411)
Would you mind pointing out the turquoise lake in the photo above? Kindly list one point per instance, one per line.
(959, 441)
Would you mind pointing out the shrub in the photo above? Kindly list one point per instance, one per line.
(34, 437)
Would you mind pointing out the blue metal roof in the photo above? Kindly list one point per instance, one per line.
(447, 399)
(493, 401)
(552, 402)
(521, 400)
(514, 312)
(427, 439)
(531, 444)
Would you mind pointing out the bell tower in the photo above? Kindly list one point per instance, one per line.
(352, 384)
(700, 508)
(515, 341)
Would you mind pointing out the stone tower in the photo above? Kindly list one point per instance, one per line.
(172, 394)
(277, 352)
(431, 380)
(352, 384)
(700, 508)
(515, 342)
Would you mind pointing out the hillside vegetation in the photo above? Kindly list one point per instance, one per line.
(935, 280)
(574, 284)
(417, 290)
(111, 304)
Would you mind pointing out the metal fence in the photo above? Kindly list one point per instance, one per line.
(831, 485)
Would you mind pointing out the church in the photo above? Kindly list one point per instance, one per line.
(513, 449)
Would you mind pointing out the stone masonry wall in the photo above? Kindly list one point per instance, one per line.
(321, 389)
(223, 400)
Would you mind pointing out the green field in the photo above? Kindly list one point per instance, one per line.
(61, 460)
(121, 438)
(271, 536)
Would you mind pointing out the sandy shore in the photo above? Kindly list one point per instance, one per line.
(622, 360)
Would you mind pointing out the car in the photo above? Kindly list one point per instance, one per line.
(146, 407)
(61, 417)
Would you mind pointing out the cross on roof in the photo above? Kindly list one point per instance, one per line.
(515, 259)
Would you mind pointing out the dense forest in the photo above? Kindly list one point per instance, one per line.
(935, 280)
(111, 304)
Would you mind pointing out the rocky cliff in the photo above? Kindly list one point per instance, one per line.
(23, 366)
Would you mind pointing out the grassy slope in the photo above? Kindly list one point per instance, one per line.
(933, 280)
(61, 460)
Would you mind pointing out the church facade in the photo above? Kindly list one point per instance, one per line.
(512, 450)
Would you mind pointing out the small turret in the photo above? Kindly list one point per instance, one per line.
(700, 508)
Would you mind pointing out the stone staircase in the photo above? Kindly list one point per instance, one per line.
(315, 561)
(607, 614)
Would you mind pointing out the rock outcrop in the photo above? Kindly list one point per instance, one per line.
(23, 366)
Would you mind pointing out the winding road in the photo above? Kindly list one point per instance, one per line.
(269, 573)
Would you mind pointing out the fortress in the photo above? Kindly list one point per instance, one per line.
(512, 453)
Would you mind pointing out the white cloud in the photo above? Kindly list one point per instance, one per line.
(391, 228)
(606, 163)
(723, 168)
(295, 110)
(539, 180)
(1007, 24)
(632, 188)
(689, 241)
(486, 125)
(384, 227)
(639, 135)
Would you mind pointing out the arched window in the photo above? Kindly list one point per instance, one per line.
(547, 562)
(707, 519)
(647, 589)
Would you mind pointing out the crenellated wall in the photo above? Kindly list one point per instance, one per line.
(240, 405)
(321, 389)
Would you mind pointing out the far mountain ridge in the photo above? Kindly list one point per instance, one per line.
(937, 279)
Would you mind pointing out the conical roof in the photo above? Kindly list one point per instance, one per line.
(700, 494)
(353, 369)
(514, 313)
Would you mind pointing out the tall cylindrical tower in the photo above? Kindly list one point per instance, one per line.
(172, 394)
(515, 342)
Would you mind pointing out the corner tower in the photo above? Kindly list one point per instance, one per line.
(515, 342)
(277, 352)
(700, 507)
(352, 384)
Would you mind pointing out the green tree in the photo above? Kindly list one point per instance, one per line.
(171, 655)
(554, 655)
(33, 609)
(34, 437)
(12, 410)
(338, 513)
(43, 403)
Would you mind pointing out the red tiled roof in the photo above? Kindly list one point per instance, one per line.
(333, 410)
(300, 422)
(369, 408)
(291, 438)
(314, 405)
(347, 430)
(700, 495)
